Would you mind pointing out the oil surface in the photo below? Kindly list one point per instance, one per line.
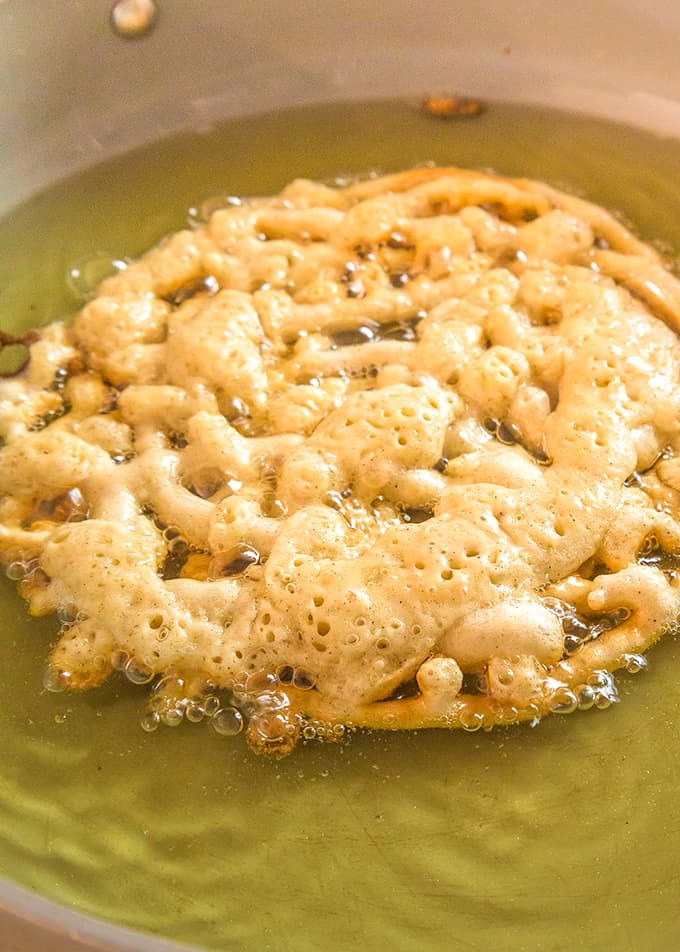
(560, 837)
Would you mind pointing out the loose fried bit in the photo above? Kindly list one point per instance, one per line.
(452, 107)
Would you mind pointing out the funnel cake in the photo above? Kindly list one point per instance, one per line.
(395, 454)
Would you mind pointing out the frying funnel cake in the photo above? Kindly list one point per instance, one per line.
(398, 454)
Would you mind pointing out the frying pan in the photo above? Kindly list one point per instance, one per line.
(558, 838)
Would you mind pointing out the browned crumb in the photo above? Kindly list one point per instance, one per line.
(75, 366)
(452, 107)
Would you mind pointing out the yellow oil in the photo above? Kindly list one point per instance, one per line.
(560, 837)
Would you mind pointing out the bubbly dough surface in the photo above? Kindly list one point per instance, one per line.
(397, 454)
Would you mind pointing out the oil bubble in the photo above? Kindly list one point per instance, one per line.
(270, 701)
(634, 663)
(150, 722)
(302, 680)
(56, 681)
(211, 705)
(471, 720)
(173, 717)
(159, 703)
(133, 19)
(586, 697)
(271, 728)
(260, 681)
(571, 644)
(194, 712)
(138, 673)
(285, 673)
(84, 277)
(599, 679)
(168, 684)
(238, 689)
(15, 571)
(233, 563)
(198, 215)
(228, 721)
(566, 702)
